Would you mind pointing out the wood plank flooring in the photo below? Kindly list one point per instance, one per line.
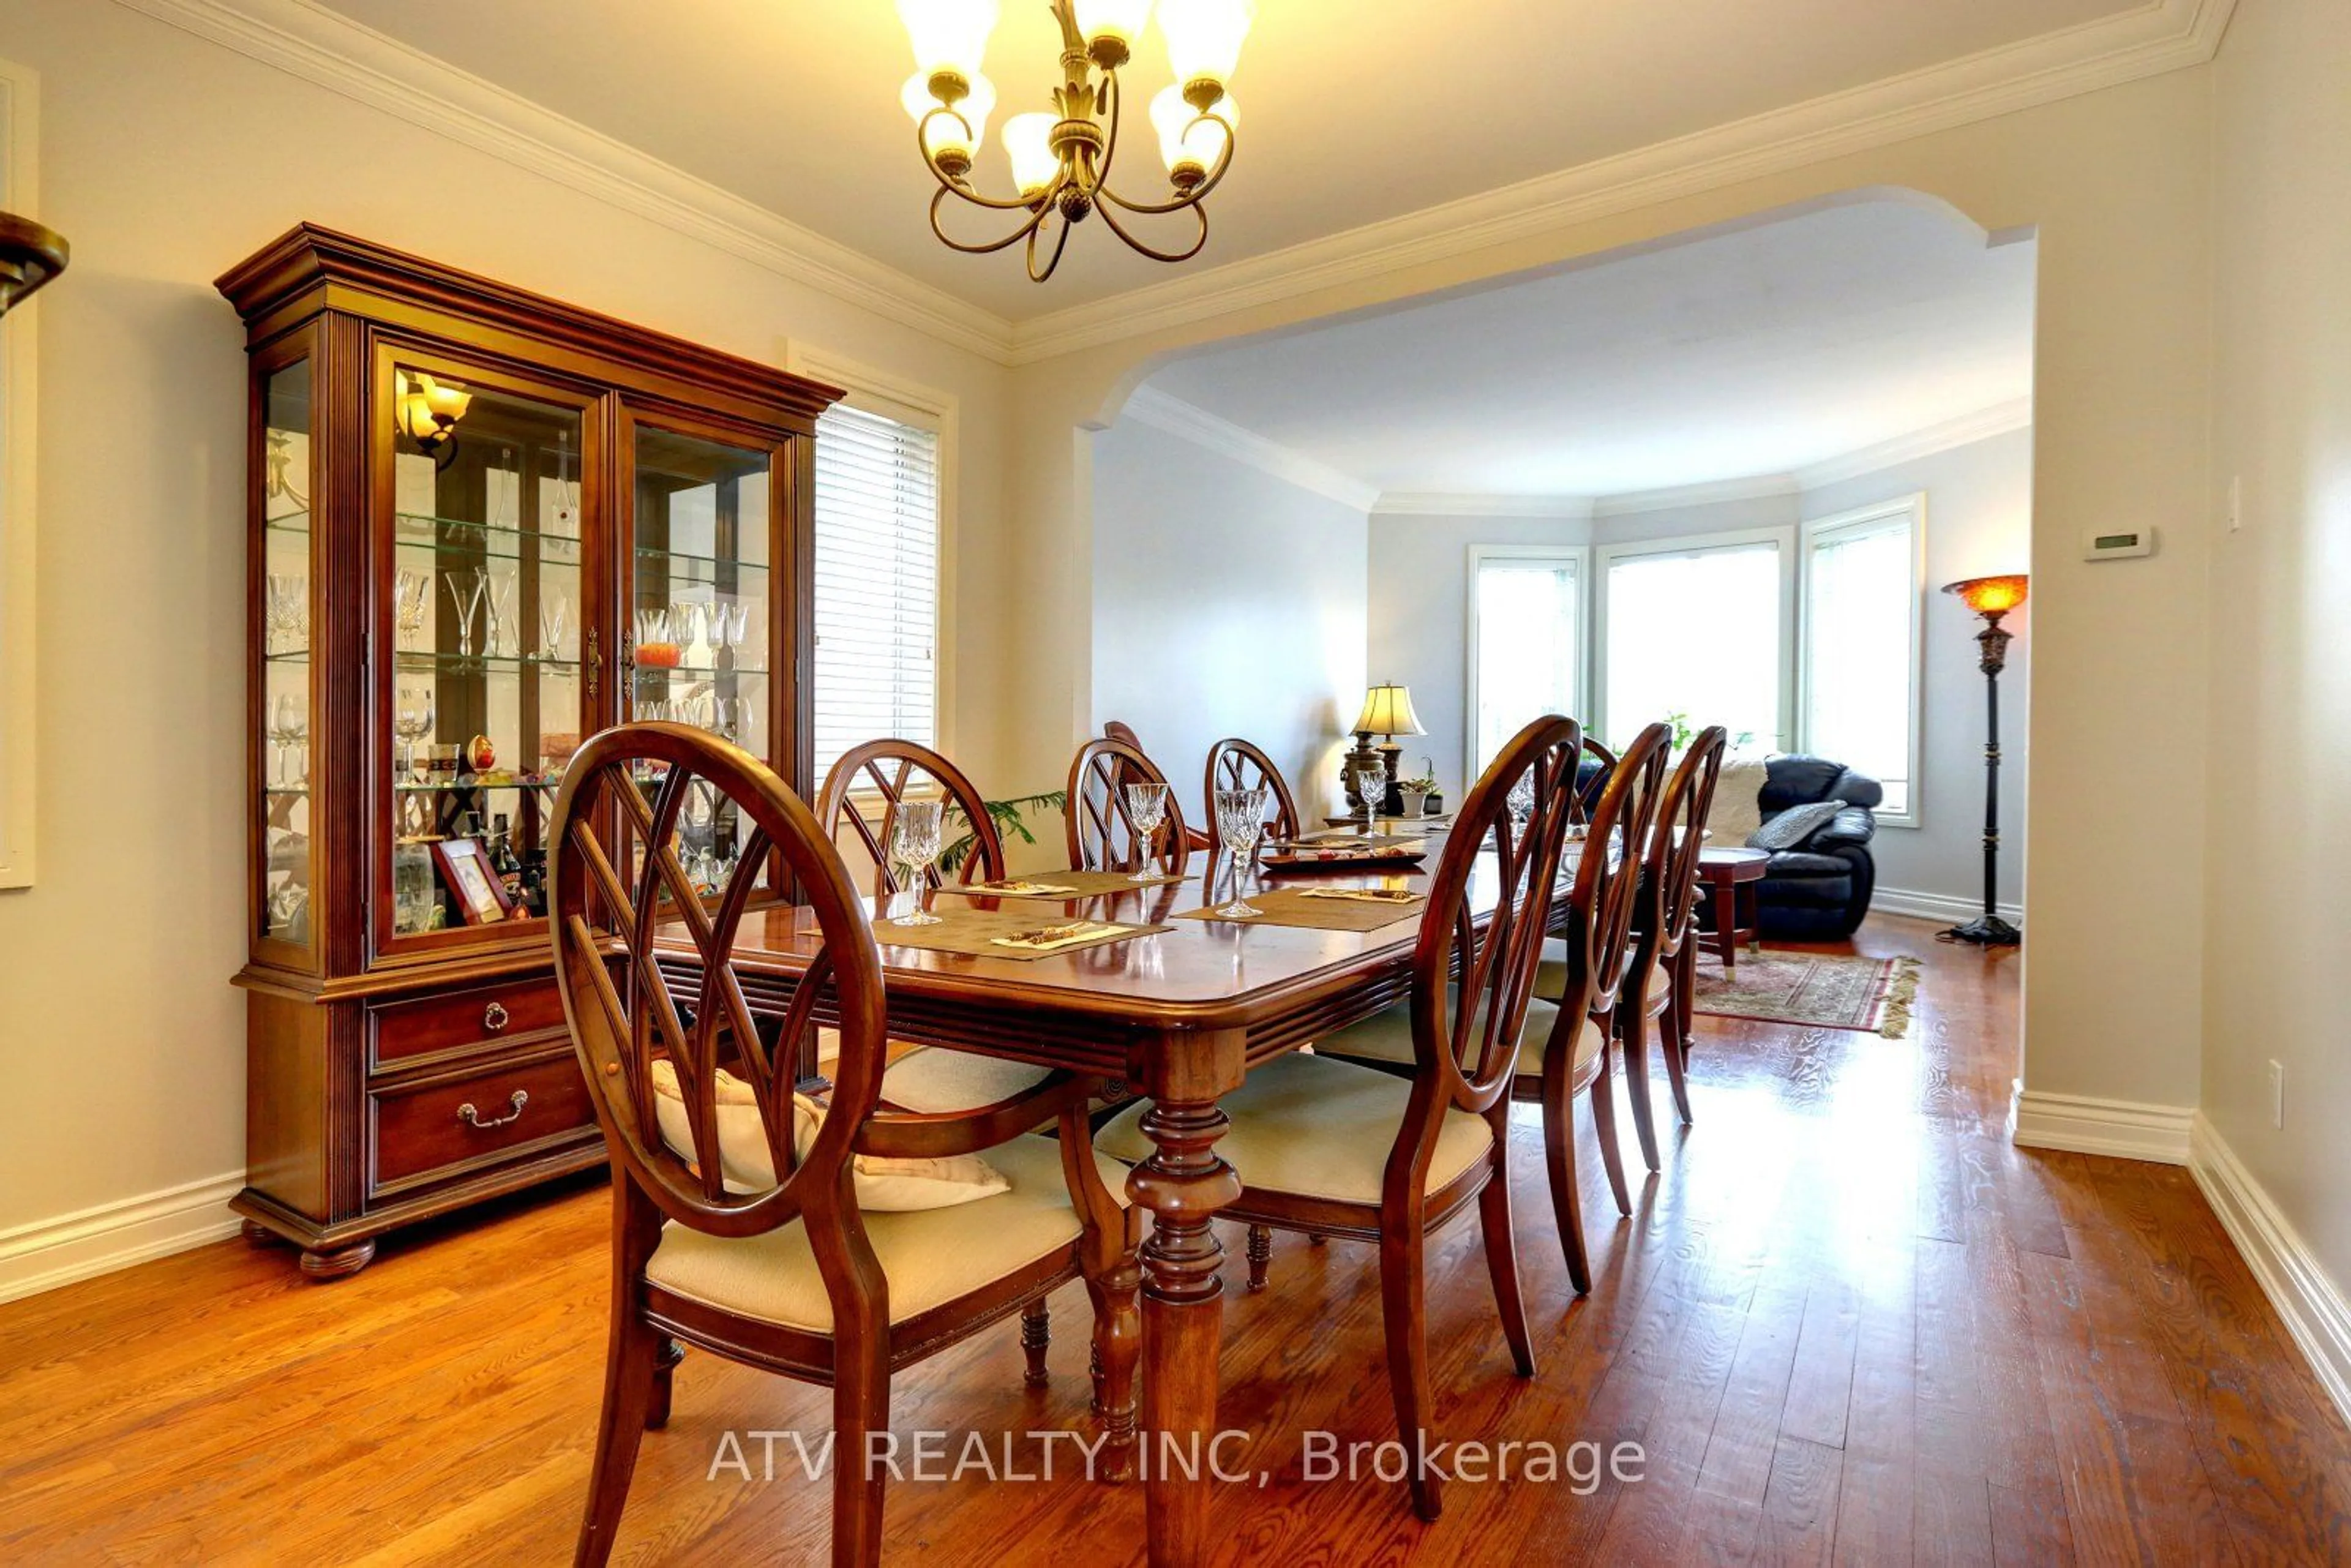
(1848, 1323)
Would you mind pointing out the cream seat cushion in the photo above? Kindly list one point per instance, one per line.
(1550, 975)
(1387, 1036)
(930, 1257)
(1736, 813)
(883, 1185)
(1313, 1128)
(931, 1079)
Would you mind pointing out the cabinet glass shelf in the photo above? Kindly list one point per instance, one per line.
(698, 671)
(688, 559)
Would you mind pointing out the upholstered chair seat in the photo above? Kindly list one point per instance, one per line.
(1387, 1036)
(1312, 1127)
(1551, 976)
(932, 1080)
(930, 1257)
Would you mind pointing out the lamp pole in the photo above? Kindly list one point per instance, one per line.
(1992, 598)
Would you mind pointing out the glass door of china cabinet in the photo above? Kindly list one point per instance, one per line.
(284, 693)
(491, 616)
(701, 610)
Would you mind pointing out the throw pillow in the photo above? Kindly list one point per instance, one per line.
(1735, 812)
(1795, 825)
(883, 1185)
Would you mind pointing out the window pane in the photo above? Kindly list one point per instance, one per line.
(1529, 638)
(877, 571)
(1860, 597)
(1696, 633)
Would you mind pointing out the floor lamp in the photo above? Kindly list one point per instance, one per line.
(1992, 598)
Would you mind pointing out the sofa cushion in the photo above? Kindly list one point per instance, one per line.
(1804, 863)
(1735, 812)
(1793, 826)
(1805, 892)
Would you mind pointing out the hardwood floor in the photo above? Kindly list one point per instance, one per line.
(1848, 1323)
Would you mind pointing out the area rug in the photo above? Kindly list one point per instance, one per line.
(1826, 990)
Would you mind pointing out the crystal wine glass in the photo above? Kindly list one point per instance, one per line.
(1521, 800)
(738, 627)
(1146, 812)
(1372, 789)
(554, 617)
(685, 625)
(466, 592)
(1241, 823)
(498, 594)
(412, 721)
(290, 726)
(916, 830)
(287, 611)
(411, 592)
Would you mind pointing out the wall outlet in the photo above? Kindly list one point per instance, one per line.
(2277, 1095)
(2236, 503)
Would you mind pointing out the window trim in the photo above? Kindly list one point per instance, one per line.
(19, 193)
(1578, 556)
(1912, 507)
(877, 392)
(1606, 556)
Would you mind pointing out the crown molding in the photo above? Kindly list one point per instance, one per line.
(332, 51)
(2159, 37)
(2001, 419)
(1437, 504)
(1198, 426)
(1712, 493)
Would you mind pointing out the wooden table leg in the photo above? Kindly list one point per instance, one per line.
(1725, 901)
(1183, 1185)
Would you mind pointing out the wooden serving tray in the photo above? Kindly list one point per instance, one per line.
(1379, 857)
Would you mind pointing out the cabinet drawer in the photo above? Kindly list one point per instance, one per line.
(454, 1125)
(456, 1019)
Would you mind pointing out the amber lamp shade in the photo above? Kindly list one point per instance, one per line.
(1994, 596)
(1387, 710)
(426, 412)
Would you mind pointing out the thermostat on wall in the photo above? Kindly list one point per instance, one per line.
(2119, 543)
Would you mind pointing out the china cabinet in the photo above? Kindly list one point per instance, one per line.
(483, 525)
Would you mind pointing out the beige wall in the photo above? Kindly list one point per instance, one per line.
(2117, 186)
(2275, 737)
(1225, 602)
(165, 160)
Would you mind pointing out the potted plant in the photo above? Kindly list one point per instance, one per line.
(1420, 789)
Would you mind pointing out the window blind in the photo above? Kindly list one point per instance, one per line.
(877, 582)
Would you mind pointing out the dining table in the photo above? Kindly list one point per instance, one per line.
(1179, 1015)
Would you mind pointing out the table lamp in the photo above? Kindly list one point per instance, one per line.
(1992, 598)
(1387, 713)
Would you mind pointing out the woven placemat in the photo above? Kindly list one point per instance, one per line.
(1081, 884)
(974, 933)
(1316, 909)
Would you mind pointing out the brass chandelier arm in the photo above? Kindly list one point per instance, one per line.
(1027, 231)
(949, 183)
(1191, 198)
(1119, 229)
(1061, 242)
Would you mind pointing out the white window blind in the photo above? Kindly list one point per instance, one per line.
(1526, 654)
(1861, 647)
(1694, 630)
(877, 582)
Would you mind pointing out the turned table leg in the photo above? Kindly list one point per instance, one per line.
(1183, 1185)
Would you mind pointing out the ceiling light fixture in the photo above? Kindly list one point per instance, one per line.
(1061, 161)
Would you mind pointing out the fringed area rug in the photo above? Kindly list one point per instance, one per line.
(1828, 990)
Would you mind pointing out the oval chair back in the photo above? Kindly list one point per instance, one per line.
(1101, 835)
(887, 770)
(1607, 885)
(1592, 772)
(1236, 764)
(1678, 838)
(1470, 987)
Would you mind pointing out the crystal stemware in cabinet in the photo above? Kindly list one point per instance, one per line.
(412, 721)
(554, 618)
(287, 611)
(467, 590)
(411, 592)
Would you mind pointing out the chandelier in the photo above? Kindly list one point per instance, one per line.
(1061, 162)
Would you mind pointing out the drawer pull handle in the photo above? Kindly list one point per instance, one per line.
(515, 1103)
(495, 1016)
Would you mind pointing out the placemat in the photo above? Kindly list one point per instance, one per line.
(974, 932)
(1081, 884)
(1315, 909)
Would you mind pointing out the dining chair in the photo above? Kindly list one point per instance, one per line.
(1193, 837)
(1570, 1036)
(1236, 764)
(1665, 940)
(1101, 835)
(1324, 1146)
(859, 805)
(739, 1224)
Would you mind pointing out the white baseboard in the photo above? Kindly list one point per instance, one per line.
(2124, 1129)
(2290, 1274)
(52, 1252)
(1940, 907)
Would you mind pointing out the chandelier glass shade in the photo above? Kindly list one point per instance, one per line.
(1061, 161)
